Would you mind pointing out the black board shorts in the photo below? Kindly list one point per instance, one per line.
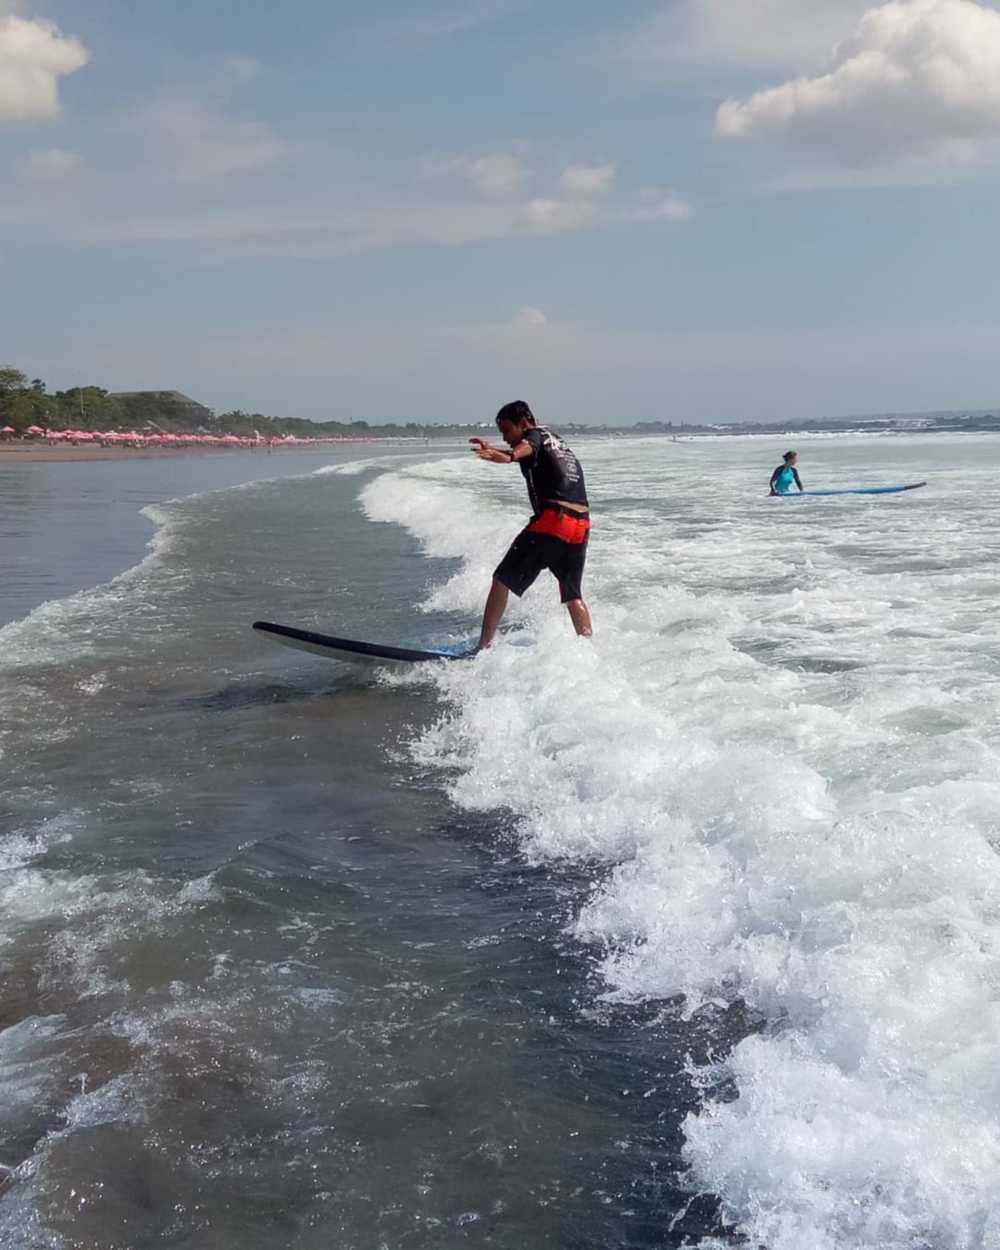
(557, 541)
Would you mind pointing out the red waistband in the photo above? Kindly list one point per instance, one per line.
(570, 527)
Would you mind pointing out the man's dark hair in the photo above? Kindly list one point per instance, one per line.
(788, 455)
(517, 411)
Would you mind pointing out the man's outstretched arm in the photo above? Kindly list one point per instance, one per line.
(498, 455)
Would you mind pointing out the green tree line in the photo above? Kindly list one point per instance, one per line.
(25, 402)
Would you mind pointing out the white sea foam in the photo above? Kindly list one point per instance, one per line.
(73, 627)
(352, 469)
(25, 1070)
(63, 628)
(782, 743)
(98, 916)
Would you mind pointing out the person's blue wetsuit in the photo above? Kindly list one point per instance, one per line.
(783, 478)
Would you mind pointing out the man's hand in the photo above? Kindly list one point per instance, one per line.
(485, 451)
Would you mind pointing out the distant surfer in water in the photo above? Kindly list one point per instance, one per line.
(785, 474)
(556, 537)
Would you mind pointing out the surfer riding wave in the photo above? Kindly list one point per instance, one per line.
(557, 535)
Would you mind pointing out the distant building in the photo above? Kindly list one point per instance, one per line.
(152, 406)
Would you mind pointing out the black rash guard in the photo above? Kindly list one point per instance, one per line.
(551, 472)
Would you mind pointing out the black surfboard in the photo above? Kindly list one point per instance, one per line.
(349, 649)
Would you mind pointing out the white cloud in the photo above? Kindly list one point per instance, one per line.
(918, 79)
(587, 179)
(505, 175)
(529, 319)
(357, 219)
(763, 33)
(193, 134)
(662, 206)
(205, 142)
(184, 142)
(49, 165)
(240, 69)
(445, 22)
(34, 55)
(498, 176)
(580, 197)
(551, 215)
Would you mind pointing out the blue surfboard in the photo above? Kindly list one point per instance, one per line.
(350, 649)
(852, 490)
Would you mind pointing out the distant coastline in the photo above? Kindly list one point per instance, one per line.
(14, 450)
(976, 421)
(89, 413)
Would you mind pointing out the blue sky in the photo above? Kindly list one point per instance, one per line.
(700, 209)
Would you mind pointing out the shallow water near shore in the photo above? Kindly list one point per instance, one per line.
(684, 936)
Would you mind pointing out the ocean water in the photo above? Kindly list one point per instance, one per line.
(687, 935)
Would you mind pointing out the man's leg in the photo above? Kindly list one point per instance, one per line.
(570, 574)
(496, 605)
(580, 617)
